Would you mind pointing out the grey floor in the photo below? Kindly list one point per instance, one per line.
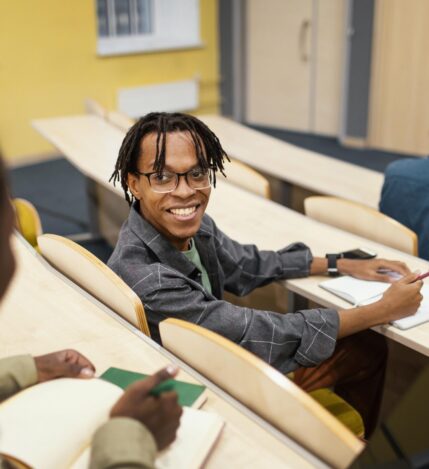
(58, 190)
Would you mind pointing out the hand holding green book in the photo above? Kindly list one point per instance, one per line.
(190, 395)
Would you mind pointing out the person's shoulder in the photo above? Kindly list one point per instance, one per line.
(128, 245)
(417, 168)
(209, 227)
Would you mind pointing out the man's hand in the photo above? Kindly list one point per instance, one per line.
(161, 415)
(402, 298)
(372, 269)
(63, 364)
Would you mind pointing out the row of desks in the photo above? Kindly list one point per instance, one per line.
(298, 166)
(44, 312)
(91, 144)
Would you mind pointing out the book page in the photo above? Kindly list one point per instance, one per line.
(47, 426)
(196, 436)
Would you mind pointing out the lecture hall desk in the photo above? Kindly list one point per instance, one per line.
(298, 166)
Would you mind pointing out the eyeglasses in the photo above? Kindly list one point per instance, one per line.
(167, 181)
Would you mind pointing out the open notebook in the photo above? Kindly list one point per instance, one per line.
(50, 426)
(364, 292)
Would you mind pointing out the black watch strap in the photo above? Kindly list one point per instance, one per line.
(332, 264)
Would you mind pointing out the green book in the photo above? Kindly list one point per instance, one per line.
(190, 395)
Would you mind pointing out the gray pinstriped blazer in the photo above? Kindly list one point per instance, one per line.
(169, 285)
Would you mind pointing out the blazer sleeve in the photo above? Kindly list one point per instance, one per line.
(286, 341)
(16, 373)
(246, 267)
(123, 443)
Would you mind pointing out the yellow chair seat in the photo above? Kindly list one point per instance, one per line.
(340, 409)
(27, 221)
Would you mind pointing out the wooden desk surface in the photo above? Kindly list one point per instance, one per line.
(301, 167)
(43, 313)
(92, 145)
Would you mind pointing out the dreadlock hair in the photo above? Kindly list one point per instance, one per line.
(209, 151)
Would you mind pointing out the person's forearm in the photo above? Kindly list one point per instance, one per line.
(319, 266)
(361, 318)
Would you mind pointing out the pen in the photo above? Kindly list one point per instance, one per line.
(162, 387)
(422, 276)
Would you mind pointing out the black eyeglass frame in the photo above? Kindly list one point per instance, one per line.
(178, 176)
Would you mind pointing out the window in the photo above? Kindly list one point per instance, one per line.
(129, 26)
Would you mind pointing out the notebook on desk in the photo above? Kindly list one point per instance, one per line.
(364, 292)
(50, 425)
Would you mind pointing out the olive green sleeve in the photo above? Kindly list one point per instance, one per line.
(16, 373)
(123, 443)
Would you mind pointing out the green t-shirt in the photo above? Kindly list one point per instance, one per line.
(193, 256)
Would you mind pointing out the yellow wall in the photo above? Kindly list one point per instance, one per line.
(48, 65)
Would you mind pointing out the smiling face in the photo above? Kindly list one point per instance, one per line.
(177, 215)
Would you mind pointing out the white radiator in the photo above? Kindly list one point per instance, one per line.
(168, 97)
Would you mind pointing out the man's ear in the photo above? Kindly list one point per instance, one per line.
(133, 185)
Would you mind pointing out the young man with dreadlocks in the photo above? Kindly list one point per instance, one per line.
(179, 263)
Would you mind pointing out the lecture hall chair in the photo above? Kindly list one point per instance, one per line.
(362, 221)
(27, 221)
(242, 175)
(263, 389)
(95, 277)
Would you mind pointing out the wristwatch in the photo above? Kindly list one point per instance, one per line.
(332, 264)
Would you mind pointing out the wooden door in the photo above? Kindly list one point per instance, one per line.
(278, 44)
(294, 64)
(399, 104)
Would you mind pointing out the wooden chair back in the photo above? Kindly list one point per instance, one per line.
(95, 277)
(120, 120)
(247, 178)
(27, 220)
(362, 221)
(263, 389)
